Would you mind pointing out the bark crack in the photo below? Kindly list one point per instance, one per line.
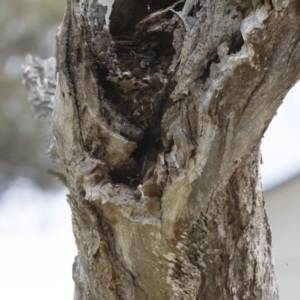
(68, 72)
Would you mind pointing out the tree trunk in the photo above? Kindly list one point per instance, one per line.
(157, 122)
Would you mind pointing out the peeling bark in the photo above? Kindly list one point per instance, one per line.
(157, 121)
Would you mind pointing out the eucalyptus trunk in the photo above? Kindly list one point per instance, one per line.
(157, 123)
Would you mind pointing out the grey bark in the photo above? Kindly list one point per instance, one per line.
(157, 122)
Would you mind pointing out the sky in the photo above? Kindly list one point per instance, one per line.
(281, 143)
(37, 247)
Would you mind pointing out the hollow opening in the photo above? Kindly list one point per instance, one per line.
(126, 14)
(206, 73)
(196, 7)
(156, 5)
(146, 153)
(141, 160)
(237, 43)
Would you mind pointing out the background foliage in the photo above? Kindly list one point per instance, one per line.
(27, 26)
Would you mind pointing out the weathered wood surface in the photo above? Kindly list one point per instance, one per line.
(157, 121)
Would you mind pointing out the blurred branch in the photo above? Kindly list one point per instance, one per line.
(39, 80)
(60, 176)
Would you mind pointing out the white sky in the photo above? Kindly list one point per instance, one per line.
(37, 247)
(281, 144)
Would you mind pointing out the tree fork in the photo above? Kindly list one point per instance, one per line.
(157, 121)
